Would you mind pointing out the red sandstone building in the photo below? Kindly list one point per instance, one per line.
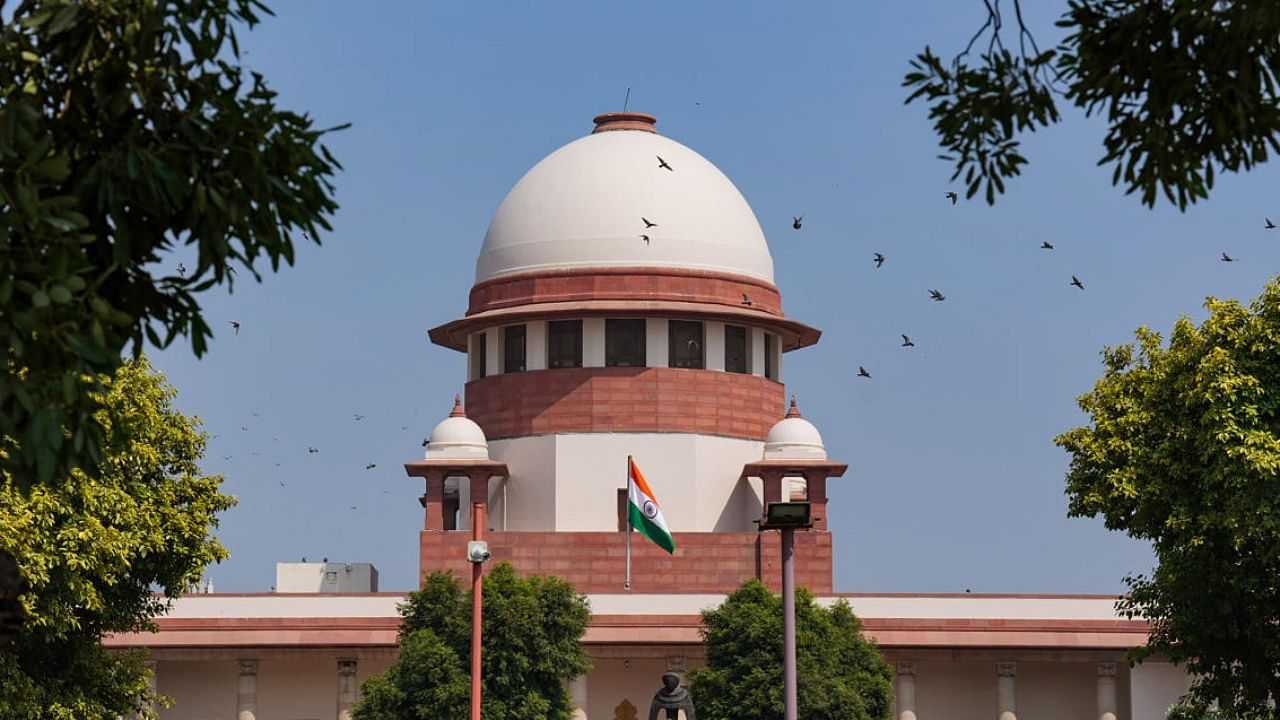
(625, 305)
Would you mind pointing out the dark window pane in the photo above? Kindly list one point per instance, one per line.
(685, 349)
(482, 347)
(564, 343)
(624, 343)
(770, 356)
(513, 342)
(735, 348)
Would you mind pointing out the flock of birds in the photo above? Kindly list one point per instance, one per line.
(797, 222)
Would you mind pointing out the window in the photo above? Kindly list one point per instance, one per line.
(685, 344)
(564, 343)
(735, 348)
(624, 507)
(771, 356)
(480, 346)
(624, 342)
(513, 337)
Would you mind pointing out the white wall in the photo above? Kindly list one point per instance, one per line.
(530, 500)
(694, 476)
(1154, 687)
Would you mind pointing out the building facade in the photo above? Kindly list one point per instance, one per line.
(625, 306)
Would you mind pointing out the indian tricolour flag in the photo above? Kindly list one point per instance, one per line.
(644, 512)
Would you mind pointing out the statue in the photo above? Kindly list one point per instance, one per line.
(673, 699)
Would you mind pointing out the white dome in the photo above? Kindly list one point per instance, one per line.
(581, 207)
(457, 437)
(794, 438)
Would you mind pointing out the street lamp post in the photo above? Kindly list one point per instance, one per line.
(787, 517)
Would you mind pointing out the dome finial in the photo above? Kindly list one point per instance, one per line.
(457, 407)
(794, 410)
(625, 121)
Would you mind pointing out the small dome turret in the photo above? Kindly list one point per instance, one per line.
(794, 438)
(457, 437)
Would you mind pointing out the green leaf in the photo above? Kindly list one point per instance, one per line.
(40, 299)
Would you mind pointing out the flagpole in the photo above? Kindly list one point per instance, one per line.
(626, 584)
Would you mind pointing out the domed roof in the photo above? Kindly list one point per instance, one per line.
(582, 205)
(457, 437)
(794, 438)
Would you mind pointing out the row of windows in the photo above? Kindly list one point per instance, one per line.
(625, 343)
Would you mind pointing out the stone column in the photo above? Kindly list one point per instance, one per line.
(906, 691)
(247, 691)
(433, 502)
(1007, 689)
(578, 690)
(346, 688)
(1106, 691)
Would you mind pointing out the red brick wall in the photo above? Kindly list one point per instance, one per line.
(625, 400)
(595, 562)
(700, 286)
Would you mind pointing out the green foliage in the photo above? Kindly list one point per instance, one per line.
(1188, 87)
(1190, 709)
(95, 550)
(1184, 451)
(532, 628)
(128, 128)
(840, 674)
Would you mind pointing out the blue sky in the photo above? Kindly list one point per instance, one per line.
(954, 482)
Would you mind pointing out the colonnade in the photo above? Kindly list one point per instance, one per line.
(1006, 672)
(247, 689)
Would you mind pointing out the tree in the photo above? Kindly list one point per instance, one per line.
(1183, 450)
(532, 631)
(1189, 89)
(128, 129)
(840, 674)
(94, 551)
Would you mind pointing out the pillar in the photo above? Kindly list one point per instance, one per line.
(1106, 691)
(816, 493)
(346, 688)
(433, 502)
(906, 690)
(247, 691)
(578, 691)
(1007, 690)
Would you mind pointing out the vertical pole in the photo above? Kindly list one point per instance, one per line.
(789, 622)
(477, 602)
(626, 584)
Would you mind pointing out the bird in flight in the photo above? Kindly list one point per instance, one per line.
(648, 223)
(370, 466)
(879, 260)
(358, 417)
(906, 342)
(937, 296)
(950, 195)
(796, 222)
(244, 428)
(663, 163)
(312, 450)
(282, 483)
(235, 326)
(746, 300)
(1046, 245)
(862, 373)
(645, 238)
(355, 507)
(182, 270)
(426, 442)
(1227, 258)
(227, 457)
(1270, 225)
(1076, 282)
